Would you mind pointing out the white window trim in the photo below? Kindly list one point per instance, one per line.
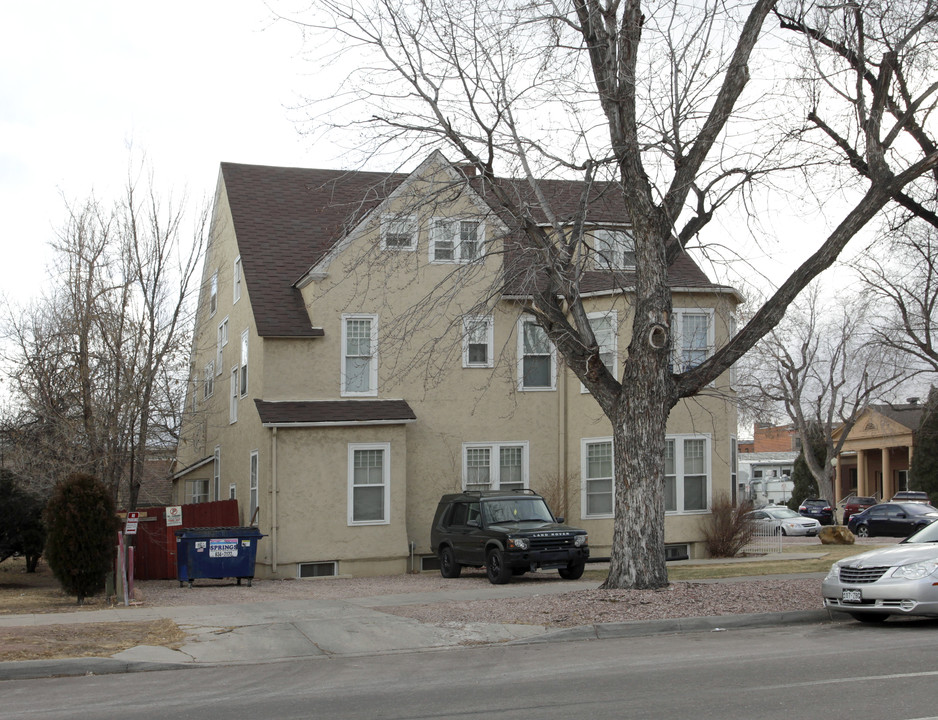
(254, 468)
(215, 490)
(614, 314)
(495, 466)
(243, 369)
(373, 369)
(197, 483)
(213, 295)
(677, 334)
(584, 444)
(386, 477)
(232, 491)
(601, 262)
(457, 258)
(236, 280)
(679, 472)
(472, 320)
(221, 342)
(386, 220)
(233, 397)
(553, 361)
(208, 388)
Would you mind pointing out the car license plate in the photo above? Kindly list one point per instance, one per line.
(851, 596)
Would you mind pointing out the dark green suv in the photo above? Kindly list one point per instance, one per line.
(506, 531)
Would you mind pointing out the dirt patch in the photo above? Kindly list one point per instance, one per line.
(39, 592)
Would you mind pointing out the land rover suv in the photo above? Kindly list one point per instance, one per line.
(508, 532)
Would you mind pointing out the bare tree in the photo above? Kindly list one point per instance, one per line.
(646, 103)
(822, 366)
(95, 364)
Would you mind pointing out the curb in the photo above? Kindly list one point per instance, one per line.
(71, 667)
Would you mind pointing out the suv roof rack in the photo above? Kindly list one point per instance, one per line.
(497, 493)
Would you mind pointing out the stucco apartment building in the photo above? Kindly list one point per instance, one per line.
(360, 350)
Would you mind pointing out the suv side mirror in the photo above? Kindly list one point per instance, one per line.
(559, 519)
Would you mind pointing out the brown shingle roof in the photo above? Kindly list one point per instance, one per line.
(286, 219)
(334, 412)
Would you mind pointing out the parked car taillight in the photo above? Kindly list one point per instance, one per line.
(802, 508)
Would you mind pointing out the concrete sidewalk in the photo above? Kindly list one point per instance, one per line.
(318, 628)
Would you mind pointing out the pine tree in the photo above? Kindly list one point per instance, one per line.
(923, 472)
(82, 523)
(805, 485)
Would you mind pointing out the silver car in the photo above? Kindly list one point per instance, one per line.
(899, 580)
(779, 520)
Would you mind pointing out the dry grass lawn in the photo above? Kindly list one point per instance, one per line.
(22, 592)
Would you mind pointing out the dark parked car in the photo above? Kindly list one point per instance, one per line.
(818, 509)
(855, 504)
(911, 496)
(893, 519)
(508, 533)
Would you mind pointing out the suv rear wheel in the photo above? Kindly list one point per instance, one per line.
(499, 573)
(449, 568)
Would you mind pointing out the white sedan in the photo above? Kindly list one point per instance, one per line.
(782, 521)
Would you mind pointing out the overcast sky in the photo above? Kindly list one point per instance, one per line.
(191, 84)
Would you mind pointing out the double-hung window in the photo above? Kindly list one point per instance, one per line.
(597, 471)
(477, 342)
(692, 337)
(495, 466)
(613, 249)
(687, 474)
(359, 355)
(252, 487)
(233, 397)
(237, 280)
(398, 232)
(369, 484)
(213, 294)
(216, 473)
(208, 385)
(536, 366)
(220, 345)
(455, 241)
(244, 363)
(605, 330)
(197, 490)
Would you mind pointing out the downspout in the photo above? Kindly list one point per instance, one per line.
(274, 519)
(562, 421)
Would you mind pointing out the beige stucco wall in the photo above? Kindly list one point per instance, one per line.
(419, 360)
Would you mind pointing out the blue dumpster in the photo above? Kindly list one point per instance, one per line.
(217, 552)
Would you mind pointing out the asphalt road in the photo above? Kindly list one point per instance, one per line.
(832, 671)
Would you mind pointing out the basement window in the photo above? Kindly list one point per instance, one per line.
(316, 569)
(677, 552)
(429, 562)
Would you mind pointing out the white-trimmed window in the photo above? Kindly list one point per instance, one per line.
(197, 490)
(687, 474)
(613, 249)
(232, 491)
(495, 466)
(596, 490)
(398, 232)
(456, 241)
(369, 486)
(477, 341)
(208, 385)
(359, 355)
(605, 329)
(220, 343)
(692, 337)
(244, 363)
(216, 473)
(213, 294)
(252, 487)
(233, 397)
(236, 284)
(537, 369)
(734, 467)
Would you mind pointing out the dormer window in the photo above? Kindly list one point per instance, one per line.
(613, 249)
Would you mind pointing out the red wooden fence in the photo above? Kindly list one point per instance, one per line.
(155, 554)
